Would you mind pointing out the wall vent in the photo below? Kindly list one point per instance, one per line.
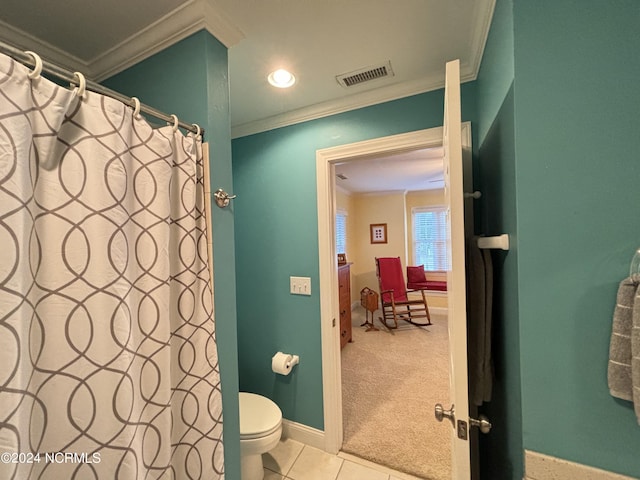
(365, 75)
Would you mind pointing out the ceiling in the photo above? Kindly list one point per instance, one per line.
(406, 171)
(317, 40)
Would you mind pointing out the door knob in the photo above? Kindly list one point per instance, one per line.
(441, 414)
(482, 423)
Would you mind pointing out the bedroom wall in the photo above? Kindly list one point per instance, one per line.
(374, 209)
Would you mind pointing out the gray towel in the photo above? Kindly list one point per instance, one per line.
(635, 355)
(479, 312)
(488, 316)
(620, 374)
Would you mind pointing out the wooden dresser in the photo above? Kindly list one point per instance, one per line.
(344, 296)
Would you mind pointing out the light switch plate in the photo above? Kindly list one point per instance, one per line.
(300, 285)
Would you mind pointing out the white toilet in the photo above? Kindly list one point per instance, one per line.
(260, 431)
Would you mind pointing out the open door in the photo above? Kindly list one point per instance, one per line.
(454, 174)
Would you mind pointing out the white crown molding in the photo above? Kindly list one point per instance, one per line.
(189, 18)
(479, 37)
(48, 52)
(185, 20)
(334, 107)
(220, 25)
(345, 104)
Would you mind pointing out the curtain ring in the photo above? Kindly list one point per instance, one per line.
(136, 107)
(37, 69)
(175, 123)
(82, 84)
(198, 129)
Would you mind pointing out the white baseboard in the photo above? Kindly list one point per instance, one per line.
(303, 434)
(441, 311)
(544, 467)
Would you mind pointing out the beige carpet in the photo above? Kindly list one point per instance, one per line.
(391, 380)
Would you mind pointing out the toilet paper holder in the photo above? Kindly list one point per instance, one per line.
(283, 363)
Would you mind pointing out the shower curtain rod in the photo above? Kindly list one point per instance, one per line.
(67, 75)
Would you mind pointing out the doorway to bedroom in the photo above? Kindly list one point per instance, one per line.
(327, 162)
(389, 376)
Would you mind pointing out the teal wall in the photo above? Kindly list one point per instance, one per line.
(501, 455)
(496, 74)
(190, 79)
(577, 121)
(277, 236)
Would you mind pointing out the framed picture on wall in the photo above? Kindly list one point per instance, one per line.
(378, 232)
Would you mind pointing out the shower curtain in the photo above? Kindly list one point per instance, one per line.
(108, 360)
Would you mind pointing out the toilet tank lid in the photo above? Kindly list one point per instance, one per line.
(257, 414)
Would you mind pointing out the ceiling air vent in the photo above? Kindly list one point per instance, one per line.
(365, 74)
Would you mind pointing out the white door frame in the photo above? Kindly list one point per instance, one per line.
(326, 159)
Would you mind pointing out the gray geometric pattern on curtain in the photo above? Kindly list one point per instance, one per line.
(108, 357)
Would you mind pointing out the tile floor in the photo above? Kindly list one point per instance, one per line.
(292, 460)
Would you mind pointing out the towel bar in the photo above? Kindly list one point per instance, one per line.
(501, 242)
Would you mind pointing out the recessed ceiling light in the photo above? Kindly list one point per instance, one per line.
(281, 78)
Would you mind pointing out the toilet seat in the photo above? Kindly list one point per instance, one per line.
(259, 416)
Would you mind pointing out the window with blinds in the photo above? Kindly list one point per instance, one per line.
(341, 232)
(430, 242)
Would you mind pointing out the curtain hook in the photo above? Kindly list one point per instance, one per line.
(37, 69)
(82, 84)
(136, 107)
(198, 129)
(175, 122)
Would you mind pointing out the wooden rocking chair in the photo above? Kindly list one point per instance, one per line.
(395, 302)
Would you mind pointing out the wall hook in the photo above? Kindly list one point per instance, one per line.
(222, 198)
